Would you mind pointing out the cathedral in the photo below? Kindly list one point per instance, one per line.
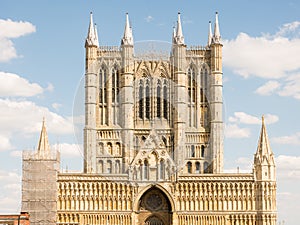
(153, 145)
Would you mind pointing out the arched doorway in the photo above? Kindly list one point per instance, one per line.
(154, 208)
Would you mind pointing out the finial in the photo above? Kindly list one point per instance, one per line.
(128, 37)
(92, 39)
(179, 39)
(209, 34)
(217, 35)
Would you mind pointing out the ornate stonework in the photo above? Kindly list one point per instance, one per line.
(153, 144)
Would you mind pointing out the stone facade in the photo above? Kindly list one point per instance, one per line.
(153, 144)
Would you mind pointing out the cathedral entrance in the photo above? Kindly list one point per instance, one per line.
(154, 208)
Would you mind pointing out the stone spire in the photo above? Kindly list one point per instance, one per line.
(128, 37)
(92, 36)
(209, 34)
(264, 162)
(217, 35)
(43, 145)
(179, 39)
(174, 34)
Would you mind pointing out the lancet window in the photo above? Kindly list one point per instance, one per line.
(102, 84)
(115, 84)
(192, 84)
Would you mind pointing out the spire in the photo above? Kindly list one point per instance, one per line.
(92, 37)
(179, 39)
(217, 36)
(209, 34)
(173, 35)
(43, 145)
(128, 37)
(264, 151)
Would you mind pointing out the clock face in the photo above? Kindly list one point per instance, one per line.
(154, 201)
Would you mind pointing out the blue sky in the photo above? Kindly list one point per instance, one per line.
(42, 63)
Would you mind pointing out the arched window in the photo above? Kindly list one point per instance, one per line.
(102, 84)
(109, 167)
(146, 168)
(197, 167)
(101, 149)
(193, 151)
(189, 167)
(100, 166)
(206, 169)
(158, 103)
(202, 151)
(141, 100)
(118, 168)
(192, 84)
(118, 149)
(165, 102)
(109, 148)
(147, 102)
(161, 170)
(115, 85)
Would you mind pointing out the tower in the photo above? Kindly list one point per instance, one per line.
(39, 187)
(180, 93)
(216, 100)
(91, 90)
(265, 174)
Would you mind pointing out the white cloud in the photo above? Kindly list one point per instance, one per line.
(149, 19)
(14, 85)
(56, 106)
(263, 57)
(5, 143)
(233, 131)
(25, 118)
(69, 150)
(288, 167)
(11, 29)
(293, 139)
(268, 88)
(244, 118)
(10, 193)
(291, 86)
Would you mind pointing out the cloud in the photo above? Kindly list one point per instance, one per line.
(14, 85)
(149, 19)
(12, 29)
(56, 106)
(10, 192)
(293, 139)
(244, 118)
(233, 131)
(288, 167)
(69, 150)
(268, 88)
(263, 57)
(21, 117)
(291, 87)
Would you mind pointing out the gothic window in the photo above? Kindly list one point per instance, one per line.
(146, 169)
(118, 168)
(141, 100)
(102, 84)
(118, 149)
(101, 149)
(115, 84)
(109, 148)
(193, 151)
(100, 170)
(197, 167)
(189, 167)
(109, 167)
(192, 84)
(205, 167)
(158, 103)
(161, 170)
(147, 102)
(165, 102)
(202, 151)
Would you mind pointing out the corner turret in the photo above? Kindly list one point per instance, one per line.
(264, 163)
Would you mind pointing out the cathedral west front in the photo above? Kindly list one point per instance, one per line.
(153, 145)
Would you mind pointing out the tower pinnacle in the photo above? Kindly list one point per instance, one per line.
(217, 35)
(92, 37)
(209, 34)
(179, 39)
(43, 145)
(128, 37)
